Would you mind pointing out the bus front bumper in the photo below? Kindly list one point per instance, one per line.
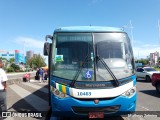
(82, 107)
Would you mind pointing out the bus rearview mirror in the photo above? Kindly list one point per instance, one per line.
(46, 48)
(47, 45)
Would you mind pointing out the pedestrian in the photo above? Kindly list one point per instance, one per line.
(37, 74)
(45, 75)
(41, 75)
(3, 86)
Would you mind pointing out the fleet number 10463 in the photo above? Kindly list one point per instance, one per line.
(84, 93)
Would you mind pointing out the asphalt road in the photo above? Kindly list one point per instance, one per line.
(32, 97)
(148, 100)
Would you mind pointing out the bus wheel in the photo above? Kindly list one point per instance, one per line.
(148, 79)
(158, 87)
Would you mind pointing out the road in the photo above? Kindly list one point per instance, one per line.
(148, 99)
(25, 96)
(17, 76)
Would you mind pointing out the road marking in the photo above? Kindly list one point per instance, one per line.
(143, 107)
(38, 103)
(45, 90)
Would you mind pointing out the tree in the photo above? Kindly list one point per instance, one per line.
(36, 61)
(15, 67)
(143, 61)
(11, 60)
(5, 59)
(5, 62)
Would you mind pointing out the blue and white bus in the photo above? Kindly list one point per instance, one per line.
(91, 72)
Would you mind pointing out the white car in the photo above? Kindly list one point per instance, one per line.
(145, 73)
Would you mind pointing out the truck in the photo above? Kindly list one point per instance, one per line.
(156, 81)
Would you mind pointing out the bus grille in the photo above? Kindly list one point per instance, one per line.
(86, 110)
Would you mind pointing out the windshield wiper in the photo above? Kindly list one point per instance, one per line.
(78, 72)
(98, 57)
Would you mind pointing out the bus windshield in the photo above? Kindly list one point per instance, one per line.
(115, 50)
(73, 51)
(74, 56)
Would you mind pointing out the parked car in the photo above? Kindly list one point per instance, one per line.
(156, 81)
(145, 73)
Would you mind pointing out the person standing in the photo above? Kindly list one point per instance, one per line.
(41, 75)
(3, 86)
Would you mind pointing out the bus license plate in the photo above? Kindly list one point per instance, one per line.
(96, 114)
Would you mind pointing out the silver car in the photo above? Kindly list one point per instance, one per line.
(145, 73)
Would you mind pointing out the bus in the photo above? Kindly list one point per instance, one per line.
(91, 72)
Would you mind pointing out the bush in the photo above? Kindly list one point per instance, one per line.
(10, 69)
(21, 71)
(15, 67)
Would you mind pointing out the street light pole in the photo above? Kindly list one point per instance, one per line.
(24, 47)
(131, 27)
(158, 37)
(159, 30)
(131, 32)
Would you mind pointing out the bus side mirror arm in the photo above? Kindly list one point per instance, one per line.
(46, 48)
(48, 36)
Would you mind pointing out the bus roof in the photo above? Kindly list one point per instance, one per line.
(88, 29)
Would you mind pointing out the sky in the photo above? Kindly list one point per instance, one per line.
(25, 23)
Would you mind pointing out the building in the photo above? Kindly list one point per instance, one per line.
(154, 58)
(29, 54)
(6, 54)
(19, 57)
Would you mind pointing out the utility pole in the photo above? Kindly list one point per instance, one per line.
(159, 31)
(24, 47)
(131, 27)
(131, 32)
(158, 38)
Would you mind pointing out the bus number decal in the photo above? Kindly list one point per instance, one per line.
(84, 93)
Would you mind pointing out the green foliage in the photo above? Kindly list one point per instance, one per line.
(36, 61)
(10, 69)
(11, 60)
(21, 71)
(1, 58)
(15, 67)
(143, 61)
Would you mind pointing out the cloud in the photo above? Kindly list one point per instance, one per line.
(140, 49)
(29, 42)
(144, 50)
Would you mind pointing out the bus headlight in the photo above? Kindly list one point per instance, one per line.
(129, 92)
(58, 93)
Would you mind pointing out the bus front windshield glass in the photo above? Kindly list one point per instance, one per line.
(84, 56)
(115, 50)
(73, 56)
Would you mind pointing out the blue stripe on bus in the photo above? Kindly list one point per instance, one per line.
(67, 90)
(53, 84)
